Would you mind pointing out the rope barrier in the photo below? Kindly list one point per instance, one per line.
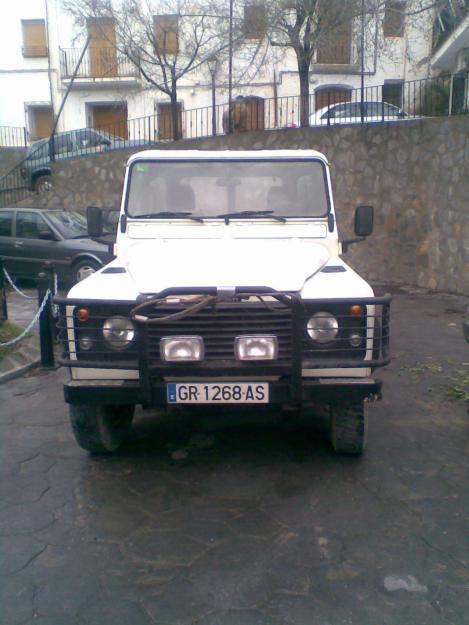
(26, 331)
(10, 280)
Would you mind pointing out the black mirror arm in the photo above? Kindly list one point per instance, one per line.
(348, 242)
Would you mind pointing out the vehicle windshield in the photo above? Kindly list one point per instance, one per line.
(71, 225)
(204, 188)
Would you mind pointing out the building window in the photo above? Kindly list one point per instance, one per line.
(166, 33)
(34, 38)
(394, 18)
(392, 92)
(335, 30)
(102, 51)
(254, 21)
(41, 120)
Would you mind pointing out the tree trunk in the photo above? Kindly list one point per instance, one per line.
(175, 119)
(303, 73)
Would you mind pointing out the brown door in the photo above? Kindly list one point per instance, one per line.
(248, 114)
(327, 97)
(111, 118)
(40, 122)
(103, 58)
(165, 120)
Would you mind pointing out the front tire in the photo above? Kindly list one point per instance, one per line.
(101, 429)
(83, 269)
(43, 184)
(348, 428)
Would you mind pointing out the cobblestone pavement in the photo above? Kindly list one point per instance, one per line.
(214, 519)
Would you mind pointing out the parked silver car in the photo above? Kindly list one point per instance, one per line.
(351, 113)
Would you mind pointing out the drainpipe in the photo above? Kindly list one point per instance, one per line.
(64, 99)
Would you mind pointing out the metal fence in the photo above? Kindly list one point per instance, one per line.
(418, 99)
(98, 62)
(13, 137)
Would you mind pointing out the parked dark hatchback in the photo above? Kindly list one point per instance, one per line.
(29, 237)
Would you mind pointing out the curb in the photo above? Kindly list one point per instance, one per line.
(20, 361)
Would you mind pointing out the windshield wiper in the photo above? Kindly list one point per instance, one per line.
(268, 214)
(163, 214)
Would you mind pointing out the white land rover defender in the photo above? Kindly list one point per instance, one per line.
(227, 289)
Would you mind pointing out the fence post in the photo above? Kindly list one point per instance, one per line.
(3, 295)
(25, 137)
(45, 281)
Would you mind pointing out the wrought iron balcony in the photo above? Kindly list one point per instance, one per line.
(98, 64)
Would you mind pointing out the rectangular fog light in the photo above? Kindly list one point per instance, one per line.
(256, 347)
(182, 348)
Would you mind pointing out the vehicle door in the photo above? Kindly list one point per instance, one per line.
(88, 141)
(332, 115)
(7, 241)
(34, 244)
(64, 145)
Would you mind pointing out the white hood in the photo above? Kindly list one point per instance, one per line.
(281, 264)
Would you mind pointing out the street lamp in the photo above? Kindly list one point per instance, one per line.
(212, 63)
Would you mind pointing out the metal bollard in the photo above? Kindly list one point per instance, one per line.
(45, 281)
(3, 295)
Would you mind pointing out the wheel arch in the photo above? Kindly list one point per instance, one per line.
(86, 256)
(44, 171)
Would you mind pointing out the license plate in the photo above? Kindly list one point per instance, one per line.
(218, 393)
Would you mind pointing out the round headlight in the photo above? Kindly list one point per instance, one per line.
(323, 327)
(118, 332)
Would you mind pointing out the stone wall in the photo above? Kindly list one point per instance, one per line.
(9, 157)
(415, 174)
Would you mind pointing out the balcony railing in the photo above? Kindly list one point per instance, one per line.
(98, 63)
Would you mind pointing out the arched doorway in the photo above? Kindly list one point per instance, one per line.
(326, 96)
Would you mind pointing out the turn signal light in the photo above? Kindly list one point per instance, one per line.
(356, 310)
(83, 314)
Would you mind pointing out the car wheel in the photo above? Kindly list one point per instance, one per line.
(43, 184)
(348, 428)
(101, 429)
(83, 269)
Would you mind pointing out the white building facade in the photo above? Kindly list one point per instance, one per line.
(40, 47)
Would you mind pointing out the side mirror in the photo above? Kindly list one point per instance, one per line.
(364, 221)
(94, 219)
(47, 236)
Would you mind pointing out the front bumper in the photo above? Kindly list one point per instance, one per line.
(332, 391)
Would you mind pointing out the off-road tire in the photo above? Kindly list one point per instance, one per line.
(43, 184)
(83, 269)
(348, 428)
(101, 429)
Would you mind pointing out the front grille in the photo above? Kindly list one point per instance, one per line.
(219, 325)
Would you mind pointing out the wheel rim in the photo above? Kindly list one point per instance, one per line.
(44, 185)
(84, 271)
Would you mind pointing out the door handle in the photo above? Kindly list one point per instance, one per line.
(18, 243)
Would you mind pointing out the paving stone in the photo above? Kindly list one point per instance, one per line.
(16, 599)
(237, 617)
(163, 547)
(114, 610)
(60, 594)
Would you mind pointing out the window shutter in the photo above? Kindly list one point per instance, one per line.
(34, 38)
(394, 17)
(166, 33)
